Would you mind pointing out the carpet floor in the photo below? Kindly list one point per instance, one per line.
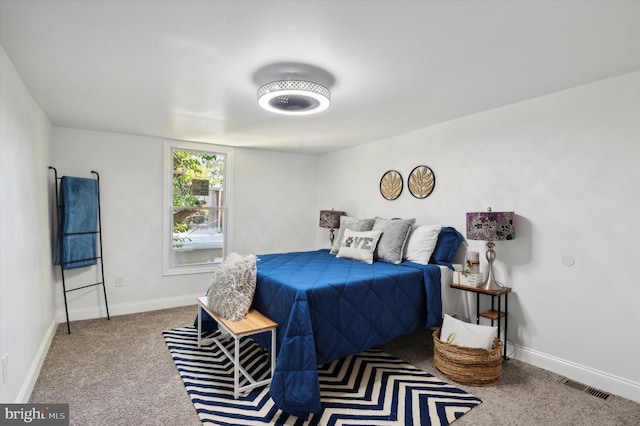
(119, 372)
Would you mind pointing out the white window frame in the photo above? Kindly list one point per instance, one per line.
(167, 204)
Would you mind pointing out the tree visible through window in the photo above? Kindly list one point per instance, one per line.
(198, 207)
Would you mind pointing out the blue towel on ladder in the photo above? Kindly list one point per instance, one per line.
(78, 219)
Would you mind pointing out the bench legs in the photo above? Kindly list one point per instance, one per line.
(235, 358)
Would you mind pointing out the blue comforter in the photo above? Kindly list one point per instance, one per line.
(328, 307)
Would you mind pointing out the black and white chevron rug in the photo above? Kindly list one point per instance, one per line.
(370, 388)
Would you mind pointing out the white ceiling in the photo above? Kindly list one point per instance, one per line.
(189, 70)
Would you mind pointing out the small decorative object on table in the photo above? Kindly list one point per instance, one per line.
(467, 277)
(473, 261)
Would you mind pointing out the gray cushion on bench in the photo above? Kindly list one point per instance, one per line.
(232, 287)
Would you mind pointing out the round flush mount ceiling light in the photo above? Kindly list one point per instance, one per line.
(294, 97)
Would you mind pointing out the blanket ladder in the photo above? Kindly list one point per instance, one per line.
(60, 243)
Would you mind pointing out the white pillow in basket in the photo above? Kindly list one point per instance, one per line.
(462, 333)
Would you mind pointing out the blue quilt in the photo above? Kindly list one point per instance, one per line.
(328, 307)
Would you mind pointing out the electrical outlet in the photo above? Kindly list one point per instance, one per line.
(119, 280)
(5, 368)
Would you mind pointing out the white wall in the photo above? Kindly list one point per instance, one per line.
(567, 164)
(273, 195)
(27, 316)
(275, 201)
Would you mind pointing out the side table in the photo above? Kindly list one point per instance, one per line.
(493, 314)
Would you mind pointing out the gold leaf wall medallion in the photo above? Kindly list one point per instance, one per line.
(421, 182)
(391, 185)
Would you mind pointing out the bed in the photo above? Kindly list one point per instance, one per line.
(328, 307)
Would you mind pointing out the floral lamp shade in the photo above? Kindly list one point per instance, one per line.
(330, 219)
(490, 226)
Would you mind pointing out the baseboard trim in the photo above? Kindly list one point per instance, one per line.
(127, 308)
(607, 382)
(34, 371)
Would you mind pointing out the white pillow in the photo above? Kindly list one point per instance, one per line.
(421, 243)
(359, 245)
(461, 333)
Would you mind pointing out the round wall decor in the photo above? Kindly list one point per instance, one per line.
(391, 185)
(421, 182)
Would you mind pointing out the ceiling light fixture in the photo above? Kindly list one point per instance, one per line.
(294, 97)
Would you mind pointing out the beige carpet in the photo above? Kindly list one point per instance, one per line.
(119, 372)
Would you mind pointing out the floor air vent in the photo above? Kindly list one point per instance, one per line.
(587, 389)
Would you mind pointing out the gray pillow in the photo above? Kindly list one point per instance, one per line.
(233, 286)
(353, 224)
(394, 237)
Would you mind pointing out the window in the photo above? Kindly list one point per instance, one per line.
(196, 201)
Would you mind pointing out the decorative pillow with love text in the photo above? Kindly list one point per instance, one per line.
(359, 245)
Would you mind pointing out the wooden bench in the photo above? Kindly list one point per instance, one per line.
(253, 323)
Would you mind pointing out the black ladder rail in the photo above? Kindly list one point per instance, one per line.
(104, 289)
(60, 241)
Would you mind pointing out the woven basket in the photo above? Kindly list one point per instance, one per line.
(468, 366)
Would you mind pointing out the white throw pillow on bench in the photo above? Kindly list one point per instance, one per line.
(462, 333)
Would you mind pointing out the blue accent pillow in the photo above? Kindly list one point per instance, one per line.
(449, 240)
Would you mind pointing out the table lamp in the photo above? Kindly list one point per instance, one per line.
(330, 219)
(490, 226)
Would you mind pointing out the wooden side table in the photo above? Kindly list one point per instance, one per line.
(493, 314)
